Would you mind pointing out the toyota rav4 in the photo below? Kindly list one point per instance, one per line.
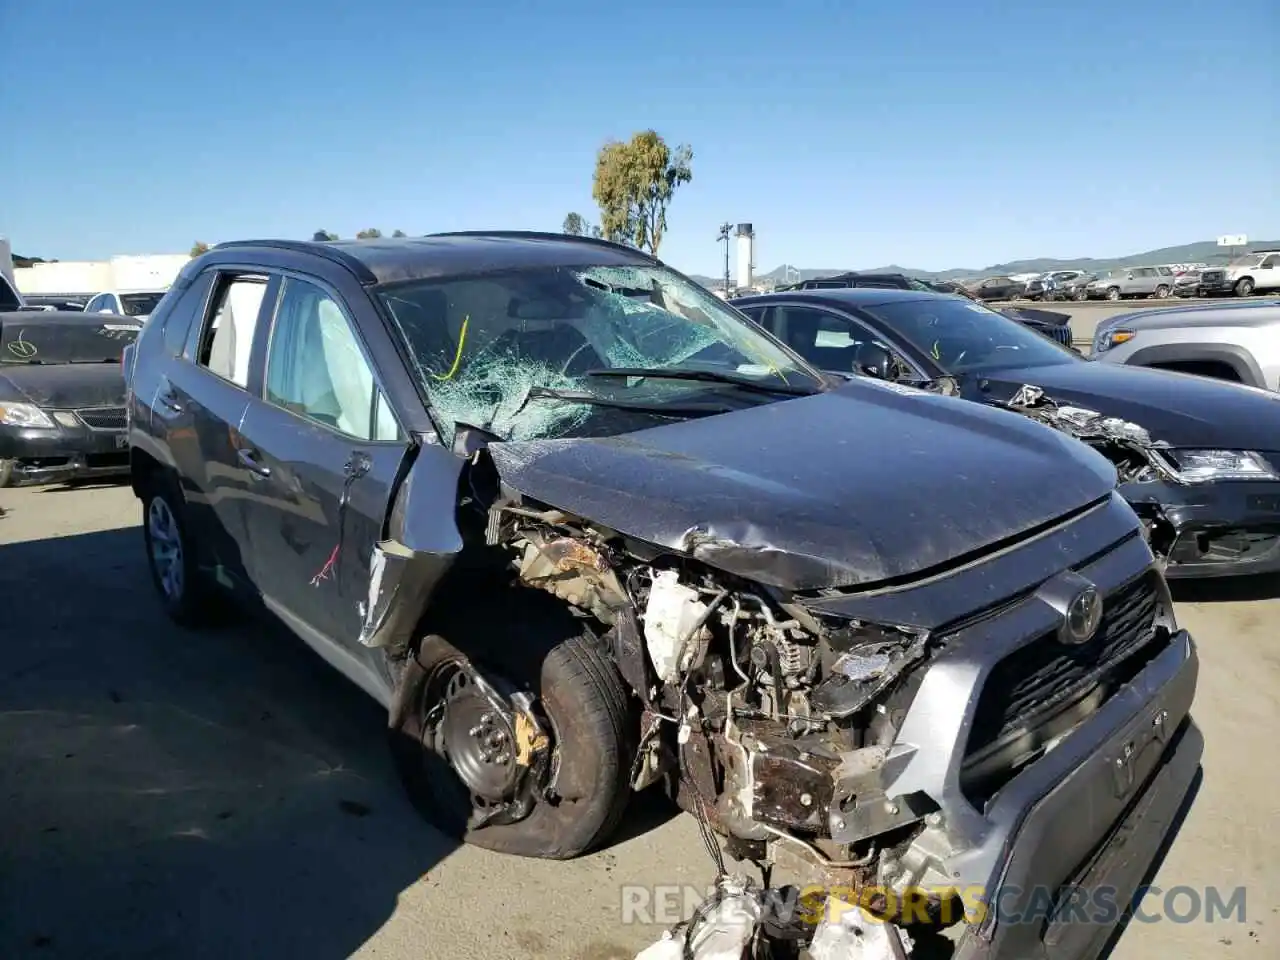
(582, 527)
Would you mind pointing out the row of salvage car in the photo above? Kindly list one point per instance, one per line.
(843, 581)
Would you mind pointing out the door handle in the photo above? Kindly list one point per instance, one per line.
(249, 459)
(168, 400)
(357, 465)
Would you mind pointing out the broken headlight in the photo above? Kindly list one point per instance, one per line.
(1202, 466)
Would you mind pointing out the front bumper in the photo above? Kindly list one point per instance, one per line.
(1085, 850)
(63, 452)
(1228, 528)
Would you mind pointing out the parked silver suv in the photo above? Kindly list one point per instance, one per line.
(1132, 282)
(1235, 340)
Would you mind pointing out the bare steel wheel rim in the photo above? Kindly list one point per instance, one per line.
(166, 548)
(475, 736)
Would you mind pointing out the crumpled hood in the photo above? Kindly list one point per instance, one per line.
(1178, 408)
(857, 485)
(63, 386)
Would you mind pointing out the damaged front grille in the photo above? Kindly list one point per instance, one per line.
(103, 418)
(1041, 681)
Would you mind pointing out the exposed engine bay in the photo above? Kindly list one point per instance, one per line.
(768, 724)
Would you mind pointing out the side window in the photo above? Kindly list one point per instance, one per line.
(94, 305)
(226, 335)
(1272, 262)
(315, 367)
(755, 313)
(828, 341)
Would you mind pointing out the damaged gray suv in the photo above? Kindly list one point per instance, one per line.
(581, 527)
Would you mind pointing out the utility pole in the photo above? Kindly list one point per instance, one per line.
(724, 237)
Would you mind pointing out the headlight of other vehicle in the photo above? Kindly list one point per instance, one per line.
(1106, 339)
(1200, 466)
(23, 415)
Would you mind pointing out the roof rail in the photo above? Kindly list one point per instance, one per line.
(314, 247)
(548, 235)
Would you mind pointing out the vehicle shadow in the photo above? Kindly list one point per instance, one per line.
(1262, 586)
(176, 793)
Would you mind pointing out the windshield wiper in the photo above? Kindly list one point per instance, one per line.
(708, 376)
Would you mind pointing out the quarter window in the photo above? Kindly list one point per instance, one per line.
(316, 369)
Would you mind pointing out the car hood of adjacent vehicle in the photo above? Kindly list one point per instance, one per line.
(63, 386)
(861, 484)
(1178, 408)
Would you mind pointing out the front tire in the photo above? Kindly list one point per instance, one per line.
(1244, 288)
(186, 598)
(456, 736)
(1113, 293)
(1082, 295)
(1162, 292)
(6, 473)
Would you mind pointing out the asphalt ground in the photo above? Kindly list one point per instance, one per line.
(225, 794)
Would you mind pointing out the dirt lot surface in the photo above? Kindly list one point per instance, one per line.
(225, 794)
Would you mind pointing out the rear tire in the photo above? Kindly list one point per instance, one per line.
(443, 730)
(1082, 295)
(186, 594)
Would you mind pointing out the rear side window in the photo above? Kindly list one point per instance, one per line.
(226, 336)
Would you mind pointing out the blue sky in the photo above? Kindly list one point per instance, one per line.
(852, 134)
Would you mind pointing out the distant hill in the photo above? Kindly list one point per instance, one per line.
(1206, 251)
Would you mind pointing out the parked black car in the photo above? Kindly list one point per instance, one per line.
(1160, 428)
(543, 495)
(998, 288)
(1056, 326)
(62, 396)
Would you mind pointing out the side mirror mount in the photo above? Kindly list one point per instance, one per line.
(873, 360)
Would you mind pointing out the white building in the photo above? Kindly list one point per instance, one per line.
(122, 274)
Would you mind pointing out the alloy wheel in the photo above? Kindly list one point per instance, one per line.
(166, 548)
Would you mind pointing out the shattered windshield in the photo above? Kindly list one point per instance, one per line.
(962, 336)
(520, 353)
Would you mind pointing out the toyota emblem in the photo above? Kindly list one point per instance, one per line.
(1084, 613)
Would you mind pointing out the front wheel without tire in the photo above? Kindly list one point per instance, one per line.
(523, 743)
